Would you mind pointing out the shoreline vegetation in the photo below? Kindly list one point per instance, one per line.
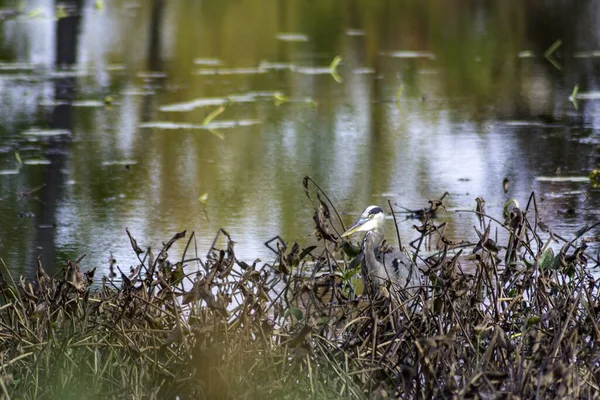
(521, 323)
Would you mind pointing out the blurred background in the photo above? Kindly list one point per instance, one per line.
(169, 115)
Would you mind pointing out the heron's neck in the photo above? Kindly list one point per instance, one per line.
(371, 240)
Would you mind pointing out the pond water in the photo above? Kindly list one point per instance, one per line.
(162, 116)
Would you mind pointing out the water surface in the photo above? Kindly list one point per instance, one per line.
(162, 116)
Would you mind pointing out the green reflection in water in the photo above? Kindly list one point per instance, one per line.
(426, 86)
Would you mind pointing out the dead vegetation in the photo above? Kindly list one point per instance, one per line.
(521, 323)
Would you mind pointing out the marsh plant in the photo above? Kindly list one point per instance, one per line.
(502, 318)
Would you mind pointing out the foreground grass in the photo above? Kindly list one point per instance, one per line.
(522, 323)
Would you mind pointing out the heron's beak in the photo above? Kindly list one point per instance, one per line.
(355, 227)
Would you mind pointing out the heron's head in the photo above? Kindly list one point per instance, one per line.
(372, 219)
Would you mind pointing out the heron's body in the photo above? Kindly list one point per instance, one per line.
(382, 267)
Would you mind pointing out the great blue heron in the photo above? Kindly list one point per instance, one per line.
(381, 267)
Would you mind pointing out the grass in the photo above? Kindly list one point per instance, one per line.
(511, 320)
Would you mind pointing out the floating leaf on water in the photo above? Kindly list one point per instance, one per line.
(212, 62)
(575, 91)
(587, 54)
(363, 71)
(526, 54)
(87, 103)
(152, 74)
(399, 95)
(573, 97)
(231, 71)
(531, 123)
(37, 12)
(355, 32)
(409, 54)
(549, 54)
(335, 63)
(18, 157)
(193, 104)
(137, 92)
(594, 175)
(588, 95)
(553, 47)
(119, 162)
(310, 101)
(183, 125)
(115, 67)
(576, 179)
(291, 37)
(213, 115)
(74, 73)
(312, 70)
(230, 124)
(217, 133)
(46, 132)
(7, 66)
(203, 198)
(279, 98)
(333, 69)
(170, 125)
(99, 5)
(61, 12)
(276, 66)
(37, 162)
(249, 97)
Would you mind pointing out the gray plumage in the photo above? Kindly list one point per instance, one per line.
(381, 266)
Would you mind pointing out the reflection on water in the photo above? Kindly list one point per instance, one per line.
(126, 116)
